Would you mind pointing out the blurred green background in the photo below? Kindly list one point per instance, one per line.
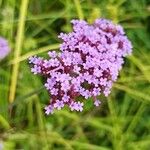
(122, 122)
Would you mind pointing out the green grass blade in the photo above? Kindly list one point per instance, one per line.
(17, 52)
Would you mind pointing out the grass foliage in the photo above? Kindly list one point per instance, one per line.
(123, 120)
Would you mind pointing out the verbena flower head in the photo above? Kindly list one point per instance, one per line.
(4, 48)
(87, 65)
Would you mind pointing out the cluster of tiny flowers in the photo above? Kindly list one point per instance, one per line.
(88, 63)
(4, 48)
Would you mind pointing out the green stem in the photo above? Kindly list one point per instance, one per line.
(18, 47)
(79, 9)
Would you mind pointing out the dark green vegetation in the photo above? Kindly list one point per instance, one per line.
(123, 120)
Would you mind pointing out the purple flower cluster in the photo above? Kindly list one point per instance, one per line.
(88, 64)
(4, 48)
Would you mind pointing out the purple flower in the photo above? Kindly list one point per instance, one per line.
(65, 98)
(49, 109)
(78, 106)
(97, 103)
(4, 48)
(50, 83)
(59, 104)
(96, 91)
(36, 69)
(35, 60)
(54, 91)
(89, 62)
(52, 54)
